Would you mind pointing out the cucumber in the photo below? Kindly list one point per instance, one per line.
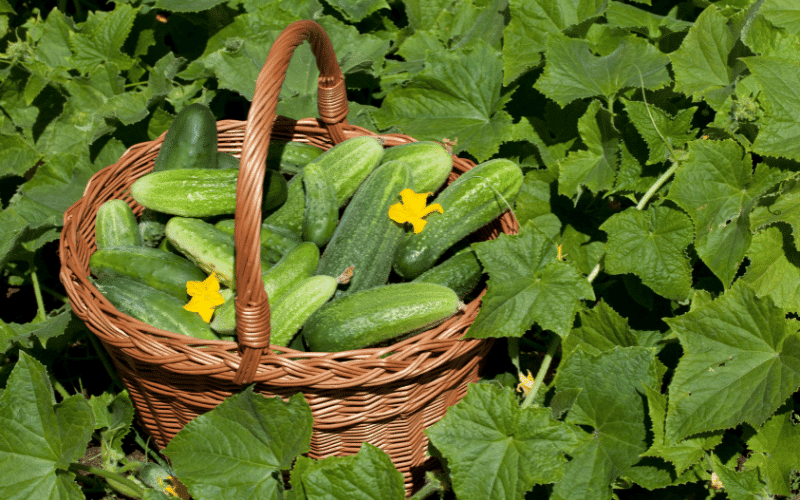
(297, 306)
(116, 225)
(377, 315)
(366, 237)
(298, 264)
(347, 165)
(322, 208)
(190, 141)
(226, 160)
(154, 307)
(430, 163)
(469, 203)
(208, 247)
(460, 272)
(289, 157)
(151, 227)
(161, 270)
(201, 193)
(275, 242)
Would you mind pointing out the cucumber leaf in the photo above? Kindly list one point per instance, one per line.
(774, 268)
(776, 450)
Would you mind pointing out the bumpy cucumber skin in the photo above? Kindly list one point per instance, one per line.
(290, 157)
(161, 270)
(377, 315)
(275, 241)
(208, 247)
(191, 140)
(297, 305)
(347, 164)
(366, 237)
(460, 272)
(469, 203)
(430, 163)
(322, 208)
(154, 307)
(200, 192)
(299, 263)
(116, 226)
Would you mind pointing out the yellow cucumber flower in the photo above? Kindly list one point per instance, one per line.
(205, 297)
(412, 209)
(525, 383)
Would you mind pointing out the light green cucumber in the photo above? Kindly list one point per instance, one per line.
(209, 248)
(469, 203)
(379, 314)
(322, 208)
(430, 163)
(116, 225)
(460, 272)
(297, 306)
(275, 241)
(299, 263)
(162, 270)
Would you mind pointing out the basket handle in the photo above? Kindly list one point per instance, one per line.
(252, 304)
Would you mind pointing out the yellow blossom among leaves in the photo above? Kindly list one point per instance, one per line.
(412, 209)
(525, 383)
(205, 297)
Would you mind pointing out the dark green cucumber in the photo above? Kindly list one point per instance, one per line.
(469, 203)
(162, 270)
(226, 160)
(460, 272)
(366, 237)
(297, 305)
(116, 226)
(299, 263)
(382, 313)
(322, 208)
(201, 193)
(347, 164)
(290, 157)
(154, 307)
(190, 141)
(430, 163)
(208, 247)
(275, 241)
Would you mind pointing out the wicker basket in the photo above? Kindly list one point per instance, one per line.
(384, 396)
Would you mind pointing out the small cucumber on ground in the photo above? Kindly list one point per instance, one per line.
(297, 305)
(201, 192)
(290, 157)
(116, 226)
(191, 140)
(154, 307)
(469, 203)
(347, 165)
(322, 208)
(379, 314)
(162, 270)
(366, 237)
(299, 263)
(460, 272)
(275, 241)
(430, 163)
(208, 247)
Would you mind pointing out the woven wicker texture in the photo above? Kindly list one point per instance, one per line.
(385, 396)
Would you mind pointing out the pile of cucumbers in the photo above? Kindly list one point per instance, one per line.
(339, 273)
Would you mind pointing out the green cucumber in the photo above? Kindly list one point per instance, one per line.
(151, 227)
(430, 163)
(322, 208)
(190, 141)
(366, 237)
(162, 270)
(208, 247)
(154, 307)
(289, 157)
(275, 241)
(226, 160)
(460, 272)
(469, 203)
(347, 165)
(297, 306)
(116, 226)
(299, 263)
(382, 313)
(201, 193)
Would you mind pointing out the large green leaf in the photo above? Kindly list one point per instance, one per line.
(623, 15)
(782, 13)
(774, 268)
(776, 450)
(601, 329)
(657, 127)
(101, 37)
(741, 361)
(497, 450)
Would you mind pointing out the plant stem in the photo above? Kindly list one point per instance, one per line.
(428, 490)
(41, 314)
(656, 186)
(120, 483)
(538, 380)
(59, 388)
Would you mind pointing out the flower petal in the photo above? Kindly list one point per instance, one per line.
(398, 213)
